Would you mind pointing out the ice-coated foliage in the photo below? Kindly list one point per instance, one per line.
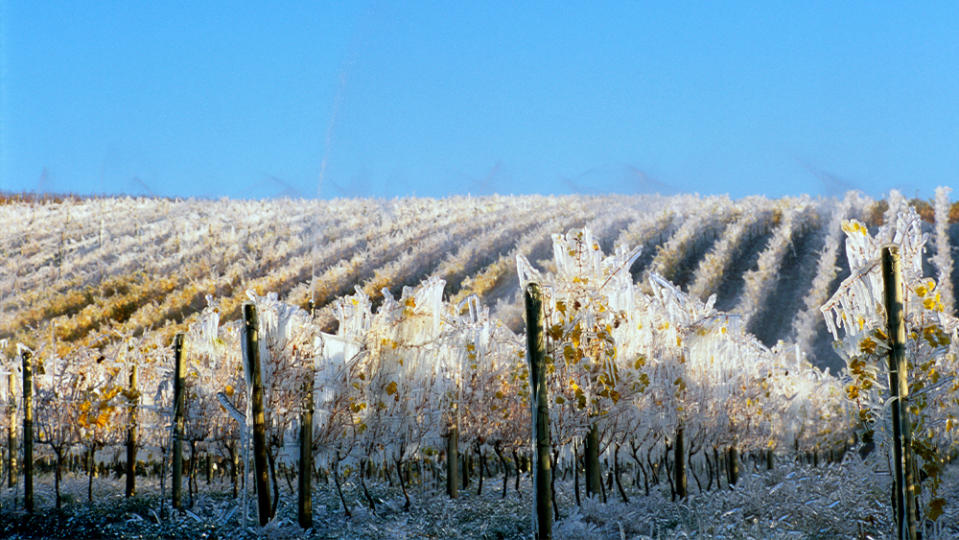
(806, 322)
(795, 214)
(640, 365)
(857, 311)
(102, 285)
(857, 306)
(754, 217)
(943, 257)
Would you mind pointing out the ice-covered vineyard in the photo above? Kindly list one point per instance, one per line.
(711, 317)
(77, 270)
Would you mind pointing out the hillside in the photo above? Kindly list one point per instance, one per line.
(85, 268)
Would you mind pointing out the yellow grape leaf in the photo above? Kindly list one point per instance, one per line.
(935, 508)
(555, 331)
(111, 393)
(391, 388)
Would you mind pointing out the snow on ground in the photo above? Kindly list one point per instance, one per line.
(790, 502)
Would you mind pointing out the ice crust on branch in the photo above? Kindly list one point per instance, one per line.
(943, 257)
(804, 326)
(856, 307)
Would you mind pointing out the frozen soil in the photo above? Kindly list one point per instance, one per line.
(791, 501)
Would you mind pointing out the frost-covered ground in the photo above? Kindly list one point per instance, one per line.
(792, 501)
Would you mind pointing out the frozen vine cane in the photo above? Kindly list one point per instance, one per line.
(536, 352)
(904, 481)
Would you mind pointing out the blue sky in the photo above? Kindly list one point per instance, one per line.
(414, 98)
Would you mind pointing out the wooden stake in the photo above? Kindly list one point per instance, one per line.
(131, 471)
(304, 512)
(536, 355)
(679, 463)
(12, 449)
(594, 476)
(575, 475)
(260, 472)
(179, 377)
(732, 465)
(482, 463)
(904, 481)
(452, 461)
(209, 467)
(27, 431)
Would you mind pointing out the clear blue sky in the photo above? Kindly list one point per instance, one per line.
(412, 98)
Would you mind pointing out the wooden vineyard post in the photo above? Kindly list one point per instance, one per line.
(732, 465)
(304, 508)
(260, 473)
(452, 457)
(536, 354)
(679, 463)
(208, 468)
(179, 375)
(594, 477)
(12, 431)
(904, 481)
(27, 431)
(131, 471)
